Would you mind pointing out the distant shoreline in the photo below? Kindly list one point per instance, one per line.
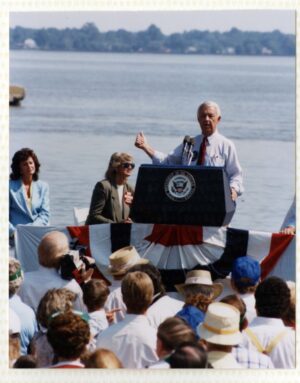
(195, 42)
(147, 53)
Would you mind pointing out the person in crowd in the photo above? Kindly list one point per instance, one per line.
(289, 223)
(24, 312)
(53, 246)
(220, 331)
(95, 293)
(162, 306)
(28, 196)
(102, 358)
(267, 332)
(25, 361)
(189, 355)
(209, 148)
(198, 291)
(55, 300)
(14, 337)
(133, 340)
(245, 277)
(289, 317)
(68, 334)
(171, 333)
(248, 358)
(119, 263)
(113, 196)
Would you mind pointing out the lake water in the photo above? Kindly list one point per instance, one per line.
(81, 107)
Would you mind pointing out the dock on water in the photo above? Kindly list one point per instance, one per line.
(16, 95)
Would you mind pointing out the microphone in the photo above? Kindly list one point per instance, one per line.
(187, 149)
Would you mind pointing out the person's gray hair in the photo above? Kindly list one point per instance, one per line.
(209, 104)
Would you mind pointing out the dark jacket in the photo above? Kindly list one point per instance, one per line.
(105, 206)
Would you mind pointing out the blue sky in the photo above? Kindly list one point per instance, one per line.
(167, 21)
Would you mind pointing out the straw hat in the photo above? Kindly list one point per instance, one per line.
(122, 259)
(221, 325)
(200, 277)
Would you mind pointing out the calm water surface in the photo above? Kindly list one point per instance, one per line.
(81, 107)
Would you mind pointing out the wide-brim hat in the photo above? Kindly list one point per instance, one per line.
(221, 325)
(199, 277)
(122, 259)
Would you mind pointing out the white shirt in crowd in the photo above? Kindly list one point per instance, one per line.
(248, 298)
(37, 283)
(115, 301)
(222, 360)
(165, 307)
(133, 341)
(97, 322)
(266, 329)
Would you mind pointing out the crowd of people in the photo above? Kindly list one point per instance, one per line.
(64, 315)
(241, 322)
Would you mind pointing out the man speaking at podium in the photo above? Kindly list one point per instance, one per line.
(207, 149)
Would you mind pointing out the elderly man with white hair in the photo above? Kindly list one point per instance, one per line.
(210, 148)
(52, 248)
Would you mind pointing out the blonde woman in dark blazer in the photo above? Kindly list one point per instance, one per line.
(113, 196)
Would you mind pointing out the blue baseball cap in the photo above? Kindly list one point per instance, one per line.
(245, 271)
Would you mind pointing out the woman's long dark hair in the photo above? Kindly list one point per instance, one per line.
(20, 156)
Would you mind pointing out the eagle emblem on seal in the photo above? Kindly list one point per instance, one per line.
(179, 185)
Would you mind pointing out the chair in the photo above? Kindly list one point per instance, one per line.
(80, 214)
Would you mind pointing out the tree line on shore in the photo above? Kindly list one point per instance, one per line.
(88, 38)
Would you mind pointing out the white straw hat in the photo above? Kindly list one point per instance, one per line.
(221, 325)
(122, 259)
(200, 277)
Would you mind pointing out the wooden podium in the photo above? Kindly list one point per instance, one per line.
(182, 195)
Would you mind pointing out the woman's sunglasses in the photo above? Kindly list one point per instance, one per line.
(127, 165)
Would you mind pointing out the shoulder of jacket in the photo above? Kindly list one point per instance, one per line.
(105, 184)
(41, 184)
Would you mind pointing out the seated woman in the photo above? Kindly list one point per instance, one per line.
(28, 197)
(112, 196)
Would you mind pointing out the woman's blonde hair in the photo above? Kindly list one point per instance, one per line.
(53, 301)
(199, 296)
(137, 291)
(115, 161)
(102, 358)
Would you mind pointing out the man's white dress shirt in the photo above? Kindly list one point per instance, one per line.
(132, 340)
(220, 151)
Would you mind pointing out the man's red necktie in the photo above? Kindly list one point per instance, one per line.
(202, 152)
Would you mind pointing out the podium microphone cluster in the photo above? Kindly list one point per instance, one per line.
(187, 150)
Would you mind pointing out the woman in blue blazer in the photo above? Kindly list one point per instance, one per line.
(28, 197)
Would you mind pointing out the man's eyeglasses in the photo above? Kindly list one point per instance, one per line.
(127, 165)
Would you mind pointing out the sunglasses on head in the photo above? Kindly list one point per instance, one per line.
(127, 165)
